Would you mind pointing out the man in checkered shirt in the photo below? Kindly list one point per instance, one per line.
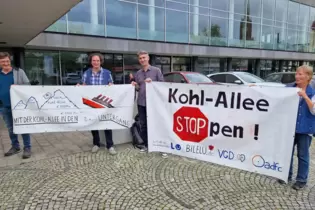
(99, 76)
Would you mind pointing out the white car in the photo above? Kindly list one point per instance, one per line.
(241, 78)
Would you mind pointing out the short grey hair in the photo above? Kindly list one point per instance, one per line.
(307, 70)
(142, 52)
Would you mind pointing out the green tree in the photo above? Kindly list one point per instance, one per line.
(214, 31)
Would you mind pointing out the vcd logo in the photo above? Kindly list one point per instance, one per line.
(231, 156)
(176, 146)
(260, 162)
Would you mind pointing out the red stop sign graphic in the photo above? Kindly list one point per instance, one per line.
(190, 124)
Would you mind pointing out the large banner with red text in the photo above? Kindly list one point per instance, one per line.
(38, 109)
(249, 128)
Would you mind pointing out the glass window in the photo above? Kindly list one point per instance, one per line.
(177, 6)
(197, 78)
(293, 13)
(178, 78)
(177, 26)
(202, 3)
(121, 19)
(239, 64)
(267, 39)
(239, 34)
(279, 38)
(151, 23)
(157, 3)
(219, 31)
(87, 18)
(253, 35)
(199, 29)
(249, 78)
(240, 6)
(304, 15)
(222, 5)
(42, 67)
(131, 65)
(281, 10)
(168, 78)
(288, 78)
(59, 26)
(268, 9)
(164, 63)
(114, 63)
(254, 8)
(181, 60)
(231, 78)
(273, 78)
(199, 10)
(292, 40)
(181, 63)
(72, 67)
(302, 39)
(220, 78)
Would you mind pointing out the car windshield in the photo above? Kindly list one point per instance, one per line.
(249, 78)
(197, 78)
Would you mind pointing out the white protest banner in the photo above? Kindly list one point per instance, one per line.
(249, 128)
(38, 109)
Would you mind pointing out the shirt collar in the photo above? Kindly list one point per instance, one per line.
(149, 69)
(98, 73)
(10, 72)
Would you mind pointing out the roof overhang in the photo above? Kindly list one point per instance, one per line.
(21, 21)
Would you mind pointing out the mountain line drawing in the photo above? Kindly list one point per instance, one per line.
(50, 103)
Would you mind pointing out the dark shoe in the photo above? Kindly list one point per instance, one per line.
(299, 185)
(26, 153)
(12, 151)
(283, 182)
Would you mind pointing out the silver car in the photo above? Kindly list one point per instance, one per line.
(241, 78)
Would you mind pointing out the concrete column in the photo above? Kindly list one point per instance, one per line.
(222, 65)
(229, 64)
(257, 67)
(231, 20)
(195, 21)
(18, 55)
(281, 63)
(151, 15)
(94, 15)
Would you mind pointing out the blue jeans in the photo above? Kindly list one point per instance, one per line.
(303, 143)
(7, 117)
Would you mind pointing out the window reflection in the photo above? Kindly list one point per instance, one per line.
(267, 24)
(176, 26)
(87, 18)
(151, 23)
(121, 19)
(42, 68)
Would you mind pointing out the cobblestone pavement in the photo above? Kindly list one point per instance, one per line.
(63, 174)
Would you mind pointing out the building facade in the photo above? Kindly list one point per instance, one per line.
(258, 36)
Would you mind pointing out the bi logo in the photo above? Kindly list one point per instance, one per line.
(229, 155)
(176, 146)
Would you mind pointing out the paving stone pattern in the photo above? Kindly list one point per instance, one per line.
(63, 174)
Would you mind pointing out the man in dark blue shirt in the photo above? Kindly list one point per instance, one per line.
(10, 76)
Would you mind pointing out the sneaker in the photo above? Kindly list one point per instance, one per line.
(283, 182)
(12, 151)
(95, 149)
(26, 153)
(164, 155)
(144, 149)
(299, 185)
(112, 151)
